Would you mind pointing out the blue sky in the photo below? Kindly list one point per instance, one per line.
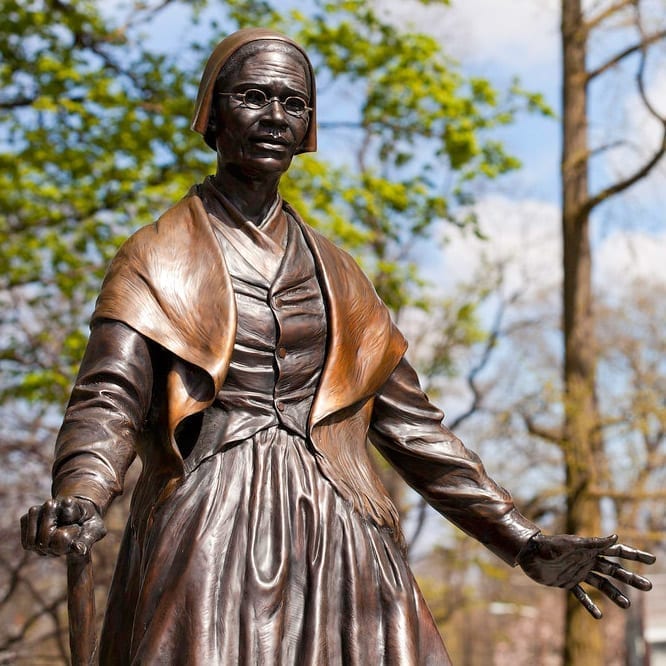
(500, 39)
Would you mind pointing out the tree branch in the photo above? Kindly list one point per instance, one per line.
(618, 57)
(594, 21)
(606, 146)
(15, 571)
(491, 344)
(626, 183)
(49, 609)
(640, 82)
(552, 435)
(644, 170)
(488, 348)
(628, 496)
(149, 12)
(420, 524)
(18, 102)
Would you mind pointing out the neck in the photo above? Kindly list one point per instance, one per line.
(252, 196)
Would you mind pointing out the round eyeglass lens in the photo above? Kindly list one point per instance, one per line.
(294, 105)
(255, 99)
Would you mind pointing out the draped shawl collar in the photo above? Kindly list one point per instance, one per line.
(169, 282)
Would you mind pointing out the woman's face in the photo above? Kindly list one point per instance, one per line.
(258, 142)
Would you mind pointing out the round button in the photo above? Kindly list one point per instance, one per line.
(280, 405)
(282, 352)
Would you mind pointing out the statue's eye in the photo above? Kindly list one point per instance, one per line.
(255, 99)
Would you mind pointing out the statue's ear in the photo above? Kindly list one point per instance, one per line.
(212, 119)
(212, 128)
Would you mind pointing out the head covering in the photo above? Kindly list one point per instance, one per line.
(223, 51)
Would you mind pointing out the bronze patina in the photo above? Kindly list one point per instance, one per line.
(247, 360)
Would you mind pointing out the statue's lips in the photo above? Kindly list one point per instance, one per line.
(270, 142)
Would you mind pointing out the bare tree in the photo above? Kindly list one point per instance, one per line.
(581, 436)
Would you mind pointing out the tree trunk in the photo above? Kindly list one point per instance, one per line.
(583, 639)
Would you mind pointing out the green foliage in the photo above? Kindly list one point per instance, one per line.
(94, 142)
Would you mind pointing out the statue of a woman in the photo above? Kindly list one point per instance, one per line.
(246, 360)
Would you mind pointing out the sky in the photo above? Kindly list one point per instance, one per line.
(500, 39)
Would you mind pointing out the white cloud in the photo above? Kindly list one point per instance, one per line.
(525, 237)
(517, 33)
(626, 256)
(522, 235)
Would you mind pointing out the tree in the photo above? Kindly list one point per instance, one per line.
(520, 411)
(581, 435)
(95, 143)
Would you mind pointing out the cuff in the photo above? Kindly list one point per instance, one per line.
(508, 537)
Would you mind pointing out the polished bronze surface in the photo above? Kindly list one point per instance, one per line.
(247, 361)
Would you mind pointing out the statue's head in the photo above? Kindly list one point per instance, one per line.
(256, 100)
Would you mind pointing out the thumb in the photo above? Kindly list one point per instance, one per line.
(598, 543)
(92, 530)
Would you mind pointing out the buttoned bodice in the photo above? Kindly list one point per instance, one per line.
(281, 331)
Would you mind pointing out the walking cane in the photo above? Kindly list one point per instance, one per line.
(81, 608)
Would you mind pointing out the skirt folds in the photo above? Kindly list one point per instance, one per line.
(256, 560)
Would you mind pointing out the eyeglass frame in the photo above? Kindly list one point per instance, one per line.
(269, 100)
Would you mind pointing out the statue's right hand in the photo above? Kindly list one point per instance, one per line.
(62, 525)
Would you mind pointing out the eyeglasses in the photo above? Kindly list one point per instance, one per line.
(257, 99)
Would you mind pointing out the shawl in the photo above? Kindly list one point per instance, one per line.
(170, 283)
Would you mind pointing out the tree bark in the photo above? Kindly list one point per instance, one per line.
(583, 639)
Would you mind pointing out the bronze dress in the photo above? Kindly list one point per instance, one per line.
(255, 559)
(254, 556)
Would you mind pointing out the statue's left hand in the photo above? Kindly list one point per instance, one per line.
(567, 561)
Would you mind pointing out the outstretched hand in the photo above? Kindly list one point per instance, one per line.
(567, 561)
(62, 525)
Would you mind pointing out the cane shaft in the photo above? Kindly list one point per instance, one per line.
(81, 609)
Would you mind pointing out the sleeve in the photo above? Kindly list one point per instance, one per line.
(407, 430)
(105, 415)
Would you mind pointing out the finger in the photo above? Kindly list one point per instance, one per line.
(640, 582)
(628, 553)
(598, 543)
(70, 511)
(606, 587)
(48, 521)
(584, 599)
(31, 521)
(615, 570)
(62, 540)
(24, 531)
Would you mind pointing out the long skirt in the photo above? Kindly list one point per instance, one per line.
(256, 560)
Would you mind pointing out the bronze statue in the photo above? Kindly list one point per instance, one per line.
(246, 360)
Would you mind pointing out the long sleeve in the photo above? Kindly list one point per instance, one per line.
(407, 430)
(105, 416)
